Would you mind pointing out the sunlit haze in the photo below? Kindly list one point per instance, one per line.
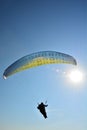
(75, 76)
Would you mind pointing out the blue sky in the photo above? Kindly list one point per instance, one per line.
(29, 26)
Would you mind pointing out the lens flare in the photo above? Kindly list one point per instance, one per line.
(76, 76)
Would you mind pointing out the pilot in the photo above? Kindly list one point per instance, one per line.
(41, 108)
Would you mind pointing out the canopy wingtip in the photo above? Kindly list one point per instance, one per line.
(4, 77)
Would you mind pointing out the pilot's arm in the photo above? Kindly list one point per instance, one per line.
(46, 105)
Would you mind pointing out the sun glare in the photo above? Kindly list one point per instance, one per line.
(76, 76)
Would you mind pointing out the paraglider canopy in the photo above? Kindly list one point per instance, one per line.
(37, 59)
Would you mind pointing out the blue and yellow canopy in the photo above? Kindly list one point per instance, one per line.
(37, 59)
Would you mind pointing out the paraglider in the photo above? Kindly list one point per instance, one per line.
(41, 108)
(37, 59)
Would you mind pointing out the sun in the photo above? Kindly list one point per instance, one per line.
(76, 76)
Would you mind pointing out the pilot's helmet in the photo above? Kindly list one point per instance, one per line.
(41, 103)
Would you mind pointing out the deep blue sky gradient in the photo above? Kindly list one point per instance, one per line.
(28, 26)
